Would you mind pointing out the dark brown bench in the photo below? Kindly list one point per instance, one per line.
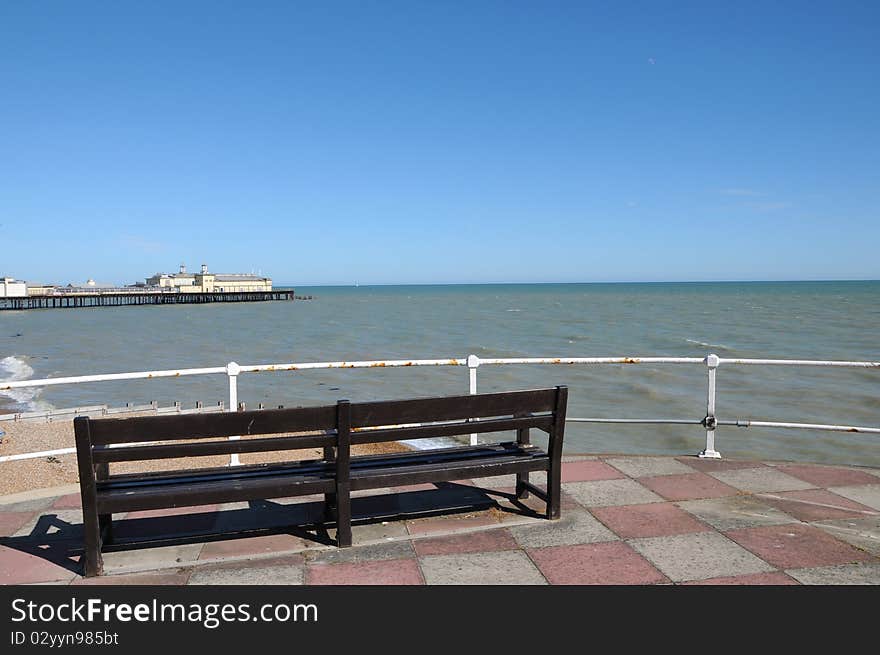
(333, 428)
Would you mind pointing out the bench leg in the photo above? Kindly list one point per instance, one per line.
(329, 507)
(522, 479)
(554, 491)
(93, 563)
(105, 525)
(343, 520)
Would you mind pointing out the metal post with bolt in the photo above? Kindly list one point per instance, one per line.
(710, 422)
(232, 371)
(473, 363)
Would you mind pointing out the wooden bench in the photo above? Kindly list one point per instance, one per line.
(334, 428)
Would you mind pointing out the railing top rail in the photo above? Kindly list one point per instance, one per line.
(471, 361)
(106, 377)
(798, 362)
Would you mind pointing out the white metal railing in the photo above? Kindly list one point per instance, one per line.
(710, 421)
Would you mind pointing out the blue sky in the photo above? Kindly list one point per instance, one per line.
(440, 142)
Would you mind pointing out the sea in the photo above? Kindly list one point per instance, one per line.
(786, 320)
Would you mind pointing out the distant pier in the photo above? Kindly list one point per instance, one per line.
(118, 299)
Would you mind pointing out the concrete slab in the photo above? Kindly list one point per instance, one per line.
(274, 574)
(53, 524)
(501, 481)
(450, 524)
(69, 501)
(393, 550)
(12, 522)
(645, 467)
(796, 546)
(827, 476)
(150, 559)
(446, 497)
(868, 494)
(21, 567)
(251, 546)
(486, 541)
(707, 465)
(688, 487)
(165, 578)
(863, 533)
(235, 517)
(761, 480)
(499, 568)
(699, 556)
(611, 563)
(386, 572)
(652, 520)
(604, 493)
(816, 505)
(589, 470)
(575, 527)
(364, 533)
(864, 573)
(28, 504)
(735, 512)
(172, 522)
(777, 578)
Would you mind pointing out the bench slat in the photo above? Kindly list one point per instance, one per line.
(451, 429)
(206, 493)
(466, 469)
(451, 408)
(107, 431)
(167, 451)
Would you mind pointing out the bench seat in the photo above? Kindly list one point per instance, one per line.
(143, 491)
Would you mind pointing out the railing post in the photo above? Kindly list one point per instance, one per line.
(473, 363)
(232, 371)
(710, 422)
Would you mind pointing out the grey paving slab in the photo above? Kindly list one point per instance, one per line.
(512, 567)
(735, 512)
(862, 533)
(250, 575)
(149, 559)
(380, 531)
(699, 556)
(761, 480)
(863, 573)
(643, 467)
(603, 493)
(866, 494)
(53, 523)
(503, 481)
(575, 527)
(29, 505)
(372, 553)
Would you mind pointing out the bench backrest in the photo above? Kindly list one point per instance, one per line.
(332, 426)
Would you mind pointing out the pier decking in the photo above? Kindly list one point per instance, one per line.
(625, 520)
(115, 299)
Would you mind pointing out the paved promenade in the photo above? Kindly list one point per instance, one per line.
(625, 520)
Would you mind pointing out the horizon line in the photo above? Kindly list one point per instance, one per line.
(451, 284)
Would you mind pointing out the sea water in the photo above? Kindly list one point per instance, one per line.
(789, 320)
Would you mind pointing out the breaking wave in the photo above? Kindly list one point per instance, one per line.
(708, 345)
(14, 369)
